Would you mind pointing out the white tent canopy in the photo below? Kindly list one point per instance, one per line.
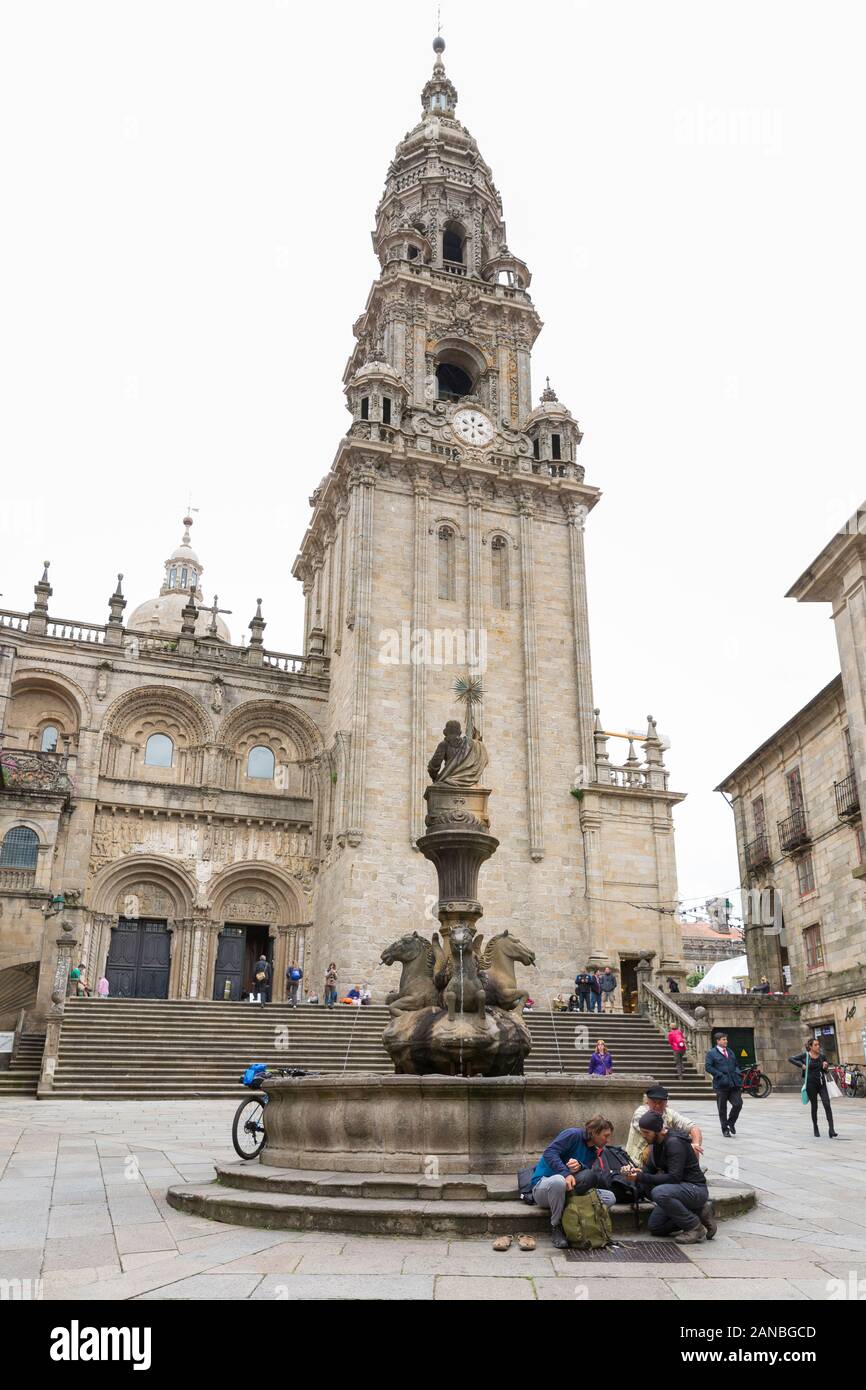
(726, 975)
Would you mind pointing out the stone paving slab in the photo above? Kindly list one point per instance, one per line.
(98, 1172)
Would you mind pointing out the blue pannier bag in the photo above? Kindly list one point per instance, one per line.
(255, 1072)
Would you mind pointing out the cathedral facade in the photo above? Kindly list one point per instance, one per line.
(196, 801)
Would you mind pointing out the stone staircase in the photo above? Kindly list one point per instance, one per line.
(22, 1077)
(137, 1049)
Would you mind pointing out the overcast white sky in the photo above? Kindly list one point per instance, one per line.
(188, 193)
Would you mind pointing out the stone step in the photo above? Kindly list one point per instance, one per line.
(463, 1212)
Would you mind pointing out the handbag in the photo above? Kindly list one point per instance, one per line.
(833, 1090)
(524, 1186)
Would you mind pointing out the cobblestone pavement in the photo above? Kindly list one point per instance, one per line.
(83, 1211)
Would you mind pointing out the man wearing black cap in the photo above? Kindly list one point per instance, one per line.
(673, 1180)
(656, 1098)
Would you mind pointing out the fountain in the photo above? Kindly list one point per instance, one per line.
(457, 1011)
(434, 1149)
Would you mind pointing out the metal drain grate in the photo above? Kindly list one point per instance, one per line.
(657, 1252)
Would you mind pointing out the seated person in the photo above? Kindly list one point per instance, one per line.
(354, 996)
(673, 1180)
(657, 1099)
(567, 1165)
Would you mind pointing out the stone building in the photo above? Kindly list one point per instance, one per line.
(797, 806)
(704, 944)
(448, 536)
(194, 801)
(161, 781)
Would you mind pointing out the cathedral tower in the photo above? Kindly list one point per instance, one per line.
(448, 537)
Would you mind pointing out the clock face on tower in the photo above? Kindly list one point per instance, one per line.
(473, 427)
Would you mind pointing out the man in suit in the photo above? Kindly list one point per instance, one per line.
(727, 1083)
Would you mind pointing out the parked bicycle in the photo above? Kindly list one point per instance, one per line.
(756, 1083)
(850, 1079)
(248, 1126)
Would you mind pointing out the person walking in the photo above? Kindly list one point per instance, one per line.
(814, 1070)
(262, 979)
(584, 990)
(678, 1046)
(600, 1061)
(331, 985)
(607, 980)
(727, 1083)
(294, 975)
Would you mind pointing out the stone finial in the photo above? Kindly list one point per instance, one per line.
(116, 605)
(548, 394)
(43, 589)
(189, 614)
(257, 626)
(602, 758)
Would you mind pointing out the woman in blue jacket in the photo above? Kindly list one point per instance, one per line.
(600, 1062)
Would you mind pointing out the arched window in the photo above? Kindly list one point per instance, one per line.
(20, 848)
(454, 382)
(158, 751)
(48, 742)
(260, 763)
(192, 579)
(447, 585)
(499, 561)
(453, 242)
(172, 578)
(183, 578)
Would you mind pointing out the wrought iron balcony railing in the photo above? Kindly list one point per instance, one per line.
(758, 853)
(847, 797)
(793, 830)
(23, 770)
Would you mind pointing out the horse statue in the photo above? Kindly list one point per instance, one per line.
(497, 971)
(464, 988)
(416, 989)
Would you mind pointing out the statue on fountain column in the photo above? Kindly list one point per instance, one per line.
(460, 758)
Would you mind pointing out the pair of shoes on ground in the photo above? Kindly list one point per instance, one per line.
(729, 1133)
(523, 1242)
(832, 1135)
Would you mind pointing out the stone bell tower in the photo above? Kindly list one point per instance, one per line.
(447, 538)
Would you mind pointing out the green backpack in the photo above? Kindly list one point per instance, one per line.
(586, 1222)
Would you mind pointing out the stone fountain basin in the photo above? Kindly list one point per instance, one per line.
(435, 1124)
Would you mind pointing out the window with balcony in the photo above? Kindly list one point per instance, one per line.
(759, 816)
(813, 948)
(365, 407)
(20, 848)
(386, 410)
(795, 790)
(48, 741)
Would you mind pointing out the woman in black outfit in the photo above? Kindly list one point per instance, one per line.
(814, 1065)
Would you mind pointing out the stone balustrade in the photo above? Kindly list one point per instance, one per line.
(666, 1014)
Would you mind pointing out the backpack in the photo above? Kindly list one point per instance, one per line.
(586, 1222)
(295, 974)
(254, 1073)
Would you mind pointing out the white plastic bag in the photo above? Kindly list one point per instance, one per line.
(833, 1090)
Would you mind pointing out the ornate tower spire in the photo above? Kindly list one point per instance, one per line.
(439, 96)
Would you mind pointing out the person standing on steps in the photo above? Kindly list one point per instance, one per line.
(583, 984)
(294, 975)
(262, 979)
(727, 1083)
(814, 1071)
(678, 1047)
(600, 1061)
(331, 985)
(607, 980)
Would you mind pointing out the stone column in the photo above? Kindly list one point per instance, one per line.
(362, 485)
(530, 670)
(849, 616)
(524, 384)
(7, 663)
(420, 590)
(474, 505)
(342, 511)
(58, 952)
(280, 937)
(590, 829)
(576, 517)
(504, 393)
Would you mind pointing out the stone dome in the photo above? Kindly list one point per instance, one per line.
(164, 615)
